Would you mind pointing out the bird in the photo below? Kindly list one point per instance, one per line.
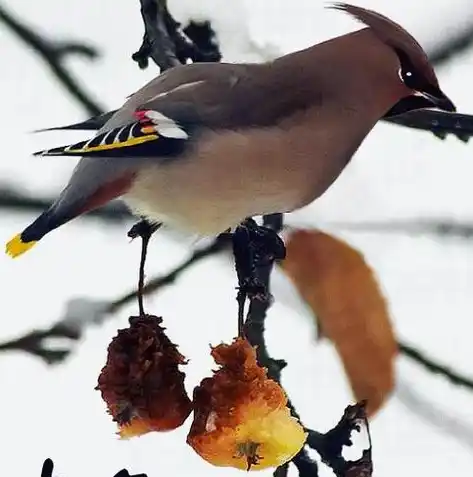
(204, 146)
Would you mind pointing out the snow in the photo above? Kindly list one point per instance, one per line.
(55, 412)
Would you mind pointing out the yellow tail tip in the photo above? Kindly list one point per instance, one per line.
(16, 246)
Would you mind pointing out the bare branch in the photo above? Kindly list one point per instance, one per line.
(157, 283)
(54, 54)
(440, 123)
(450, 48)
(434, 415)
(445, 228)
(330, 445)
(167, 44)
(12, 199)
(81, 313)
(157, 43)
(48, 467)
(35, 343)
(433, 367)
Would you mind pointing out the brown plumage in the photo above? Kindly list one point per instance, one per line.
(222, 142)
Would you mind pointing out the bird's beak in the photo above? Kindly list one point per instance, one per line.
(438, 99)
(431, 98)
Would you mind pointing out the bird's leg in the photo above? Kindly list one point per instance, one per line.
(145, 230)
(253, 246)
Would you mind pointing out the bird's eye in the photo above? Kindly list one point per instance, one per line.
(407, 77)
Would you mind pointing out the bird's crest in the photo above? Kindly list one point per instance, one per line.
(393, 35)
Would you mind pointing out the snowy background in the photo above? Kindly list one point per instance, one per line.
(425, 429)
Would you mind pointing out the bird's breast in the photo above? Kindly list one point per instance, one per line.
(233, 175)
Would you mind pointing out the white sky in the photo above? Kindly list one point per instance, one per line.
(54, 412)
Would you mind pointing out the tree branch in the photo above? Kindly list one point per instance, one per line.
(35, 342)
(167, 44)
(54, 54)
(434, 367)
(440, 123)
(48, 467)
(83, 312)
(446, 50)
(253, 269)
(10, 198)
(432, 414)
(157, 43)
(330, 445)
(444, 228)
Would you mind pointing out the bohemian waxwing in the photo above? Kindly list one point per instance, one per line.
(206, 145)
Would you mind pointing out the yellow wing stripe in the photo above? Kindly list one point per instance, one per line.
(130, 142)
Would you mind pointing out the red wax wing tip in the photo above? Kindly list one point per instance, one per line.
(141, 115)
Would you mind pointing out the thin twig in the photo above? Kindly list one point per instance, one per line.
(54, 54)
(167, 44)
(35, 343)
(159, 282)
(141, 278)
(145, 230)
(48, 468)
(13, 199)
(434, 367)
(446, 421)
(330, 445)
(452, 47)
(444, 228)
(440, 123)
(156, 41)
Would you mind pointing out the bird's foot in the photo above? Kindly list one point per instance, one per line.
(254, 246)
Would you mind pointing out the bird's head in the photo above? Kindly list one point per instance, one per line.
(420, 84)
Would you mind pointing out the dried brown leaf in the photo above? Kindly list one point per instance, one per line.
(342, 291)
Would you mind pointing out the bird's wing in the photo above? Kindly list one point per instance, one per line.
(160, 119)
(151, 134)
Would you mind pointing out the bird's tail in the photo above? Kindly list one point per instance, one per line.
(79, 197)
(16, 246)
(23, 241)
